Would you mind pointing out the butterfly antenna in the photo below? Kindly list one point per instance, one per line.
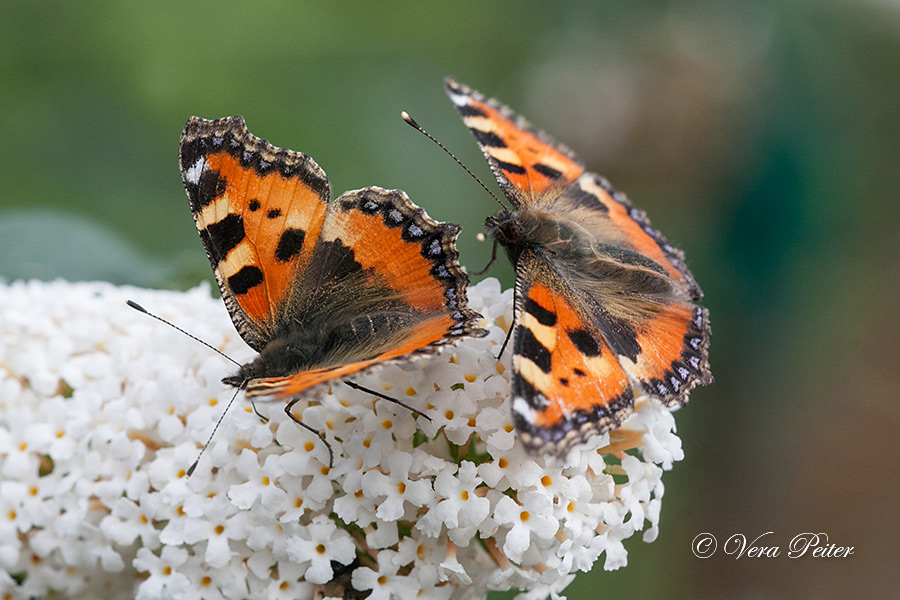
(193, 466)
(405, 116)
(140, 308)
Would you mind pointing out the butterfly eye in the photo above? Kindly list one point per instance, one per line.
(510, 232)
(505, 228)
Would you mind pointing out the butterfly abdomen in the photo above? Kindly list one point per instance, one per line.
(324, 345)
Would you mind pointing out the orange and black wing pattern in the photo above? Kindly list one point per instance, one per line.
(578, 367)
(567, 382)
(383, 283)
(605, 306)
(527, 163)
(259, 210)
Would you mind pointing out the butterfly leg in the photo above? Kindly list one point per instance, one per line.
(320, 434)
(512, 325)
(383, 397)
(490, 262)
(261, 416)
(505, 341)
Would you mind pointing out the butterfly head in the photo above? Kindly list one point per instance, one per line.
(505, 227)
(521, 231)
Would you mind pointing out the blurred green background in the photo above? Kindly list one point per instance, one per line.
(763, 138)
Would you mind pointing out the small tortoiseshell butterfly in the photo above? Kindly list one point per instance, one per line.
(604, 306)
(320, 290)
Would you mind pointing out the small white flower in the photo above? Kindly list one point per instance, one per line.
(165, 579)
(459, 507)
(384, 583)
(451, 569)
(260, 482)
(10, 544)
(17, 446)
(354, 506)
(396, 487)
(286, 583)
(579, 553)
(642, 479)
(389, 423)
(222, 523)
(577, 508)
(129, 520)
(318, 544)
(229, 582)
(296, 502)
(383, 535)
(552, 590)
(660, 444)
(450, 411)
(425, 582)
(495, 427)
(533, 518)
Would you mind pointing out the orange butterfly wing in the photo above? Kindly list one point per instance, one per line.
(525, 161)
(567, 382)
(259, 210)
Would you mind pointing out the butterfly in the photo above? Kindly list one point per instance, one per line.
(320, 290)
(605, 308)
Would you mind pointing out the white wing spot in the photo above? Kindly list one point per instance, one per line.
(520, 406)
(192, 175)
(458, 100)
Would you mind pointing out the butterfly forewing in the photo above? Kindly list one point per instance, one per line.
(259, 210)
(525, 161)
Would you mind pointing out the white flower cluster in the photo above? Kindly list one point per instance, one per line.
(102, 410)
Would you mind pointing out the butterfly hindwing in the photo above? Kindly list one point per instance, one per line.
(383, 283)
(567, 382)
(645, 294)
(259, 210)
